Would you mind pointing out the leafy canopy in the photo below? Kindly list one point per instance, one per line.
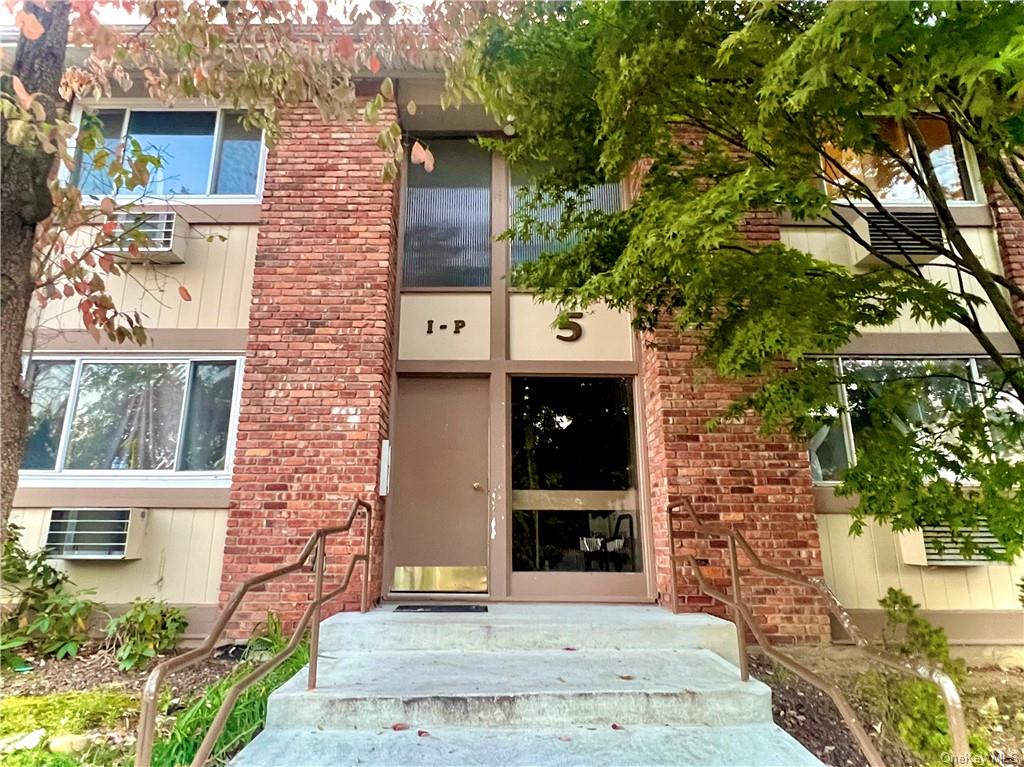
(713, 110)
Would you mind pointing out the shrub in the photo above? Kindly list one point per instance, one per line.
(910, 708)
(45, 612)
(250, 710)
(144, 631)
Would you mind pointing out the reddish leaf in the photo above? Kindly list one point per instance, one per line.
(423, 733)
(564, 738)
(24, 97)
(616, 726)
(186, 296)
(399, 726)
(110, 227)
(569, 649)
(68, 291)
(29, 25)
(627, 677)
(428, 162)
(418, 154)
(107, 206)
(346, 47)
(106, 262)
(374, 64)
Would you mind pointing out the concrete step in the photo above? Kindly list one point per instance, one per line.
(761, 745)
(509, 626)
(529, 688)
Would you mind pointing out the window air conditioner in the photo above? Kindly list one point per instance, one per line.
(95, 533)
(889, 239)
(164, 236)
(933, 545)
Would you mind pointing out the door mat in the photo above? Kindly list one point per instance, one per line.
(441, 609)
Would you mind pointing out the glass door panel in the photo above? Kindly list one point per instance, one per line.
(575, 505)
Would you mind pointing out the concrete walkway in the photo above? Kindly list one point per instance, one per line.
(525, 685)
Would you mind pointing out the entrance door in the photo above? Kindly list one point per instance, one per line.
(437, 515)
(576, 525)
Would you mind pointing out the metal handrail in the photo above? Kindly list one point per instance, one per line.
(744, 619)
(316, 546)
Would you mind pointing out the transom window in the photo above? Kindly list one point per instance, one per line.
(889, 181)
(603, 197)
(144, 415)
(202, 152)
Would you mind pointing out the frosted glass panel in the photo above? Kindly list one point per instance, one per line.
(604, 197)
(448, 219)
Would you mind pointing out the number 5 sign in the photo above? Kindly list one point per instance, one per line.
(573, 328)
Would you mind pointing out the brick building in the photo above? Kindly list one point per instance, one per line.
(351, 338)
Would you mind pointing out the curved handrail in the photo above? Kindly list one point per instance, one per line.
(744, 618)
(316, 547)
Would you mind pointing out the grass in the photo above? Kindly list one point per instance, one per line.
(66, 713)
(246, 720)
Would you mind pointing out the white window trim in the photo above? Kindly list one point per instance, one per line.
(844, 417)
(187, 105)
(59, 477)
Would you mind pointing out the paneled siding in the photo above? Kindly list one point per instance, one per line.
(830, 245)
(181, 558)
(862, 568)
(217, 273)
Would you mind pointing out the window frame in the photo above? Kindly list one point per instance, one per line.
(129, 105)
(971, 182)
(844, 416)
(62, 477)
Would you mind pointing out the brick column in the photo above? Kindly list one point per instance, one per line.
(1010, 233)
(761, 485)
(318, 366)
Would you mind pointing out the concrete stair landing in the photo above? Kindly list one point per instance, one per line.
(525, 685)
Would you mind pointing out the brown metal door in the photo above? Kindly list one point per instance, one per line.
(437, 516)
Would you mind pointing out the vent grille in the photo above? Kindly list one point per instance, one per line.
(156, 228)
(888, 239)
(940, 549)
(88, 533)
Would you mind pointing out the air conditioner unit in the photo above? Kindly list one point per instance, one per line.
(161, 236)
(95, 533)
(888, 238)
(933, 545)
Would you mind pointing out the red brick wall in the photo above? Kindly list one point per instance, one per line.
(761, 485)
(1010, 231)
(318, 364)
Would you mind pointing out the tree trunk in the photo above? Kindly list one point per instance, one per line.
(24, 202)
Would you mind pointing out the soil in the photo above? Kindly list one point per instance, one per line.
(96, 668)
(809, 715)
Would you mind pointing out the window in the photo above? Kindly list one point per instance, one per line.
(448, 219)
(202, 152)
(145, 415)
(942, 386)
(603, 197)
(575, 505)
(888, 180)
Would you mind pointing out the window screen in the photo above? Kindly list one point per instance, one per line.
(448, 219)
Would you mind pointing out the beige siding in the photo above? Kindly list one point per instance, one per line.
(182, 554)
(830, 245)
(861, 568)
(217, 273)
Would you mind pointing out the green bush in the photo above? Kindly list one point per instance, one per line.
(909, 708)
(46, 612)
(66, 713)
(250, 710)
(144, 631)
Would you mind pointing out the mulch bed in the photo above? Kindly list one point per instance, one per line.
(95, 668)
(808, 714)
